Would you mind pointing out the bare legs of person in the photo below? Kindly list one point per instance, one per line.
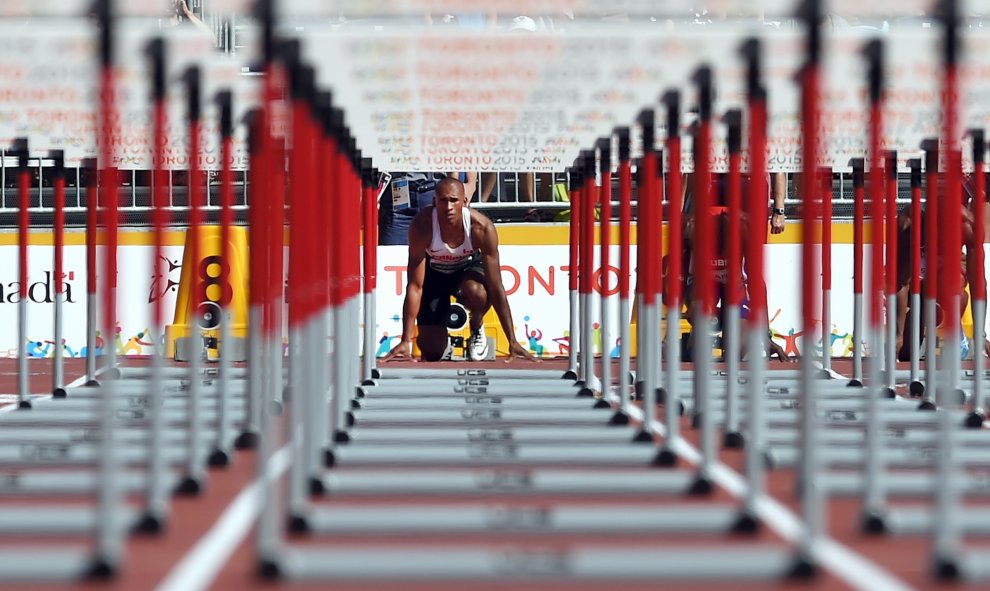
(432, 340)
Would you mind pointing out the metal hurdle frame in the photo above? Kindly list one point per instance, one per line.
(859, 214)
(916, 388)
(625, 381)
(978, 290)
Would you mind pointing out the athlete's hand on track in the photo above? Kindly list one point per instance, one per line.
(775, 349)
(517, 351)
(403, 350)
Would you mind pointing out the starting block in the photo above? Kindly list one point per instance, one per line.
(219, 290)
(459, 331)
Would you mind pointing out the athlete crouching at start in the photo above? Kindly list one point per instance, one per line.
(720, 270)
(469, 271)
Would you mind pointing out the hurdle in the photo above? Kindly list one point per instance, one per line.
(625, 381)
(604, 148)
(979, 288)
(666, 456)
(859, 214)
(733, 333)
(20, 149)
(648, 230)
(916, 387)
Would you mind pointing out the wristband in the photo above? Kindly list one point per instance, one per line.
(779, 211)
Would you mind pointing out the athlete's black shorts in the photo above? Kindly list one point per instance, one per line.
(438, 287)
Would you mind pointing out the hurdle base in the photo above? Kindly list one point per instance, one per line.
(961, 396)
(329, 458)
(25, 405)
(662, 401)
(101, 570)
(367, 382)
(823, 374)
(349, 418)
(269, 570)
(316, 487)
(734, 440)
(618, 419)
(341, 437)
(150, 525)
(246, 440)
(746, 524)
(916, 389)
(974, 420)
(355, 404)
(189, 486)
(585, 392)
(91, 384)
(804, 569)
(299, 524)
(643, 436)
(276, 407)
(569, 375)
(854, 383)
(59, 393)
(926, 405)
(639, 388)
(360, 392)
(701, 486)
(873, 523)
(375, 374)
(601, 403)
(947, 570)
(665, 458)
(888, 393)
(218, 459)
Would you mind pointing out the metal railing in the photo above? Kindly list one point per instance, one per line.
(515, 197)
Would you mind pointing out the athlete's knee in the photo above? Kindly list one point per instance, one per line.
(432, 345)
(473, 295)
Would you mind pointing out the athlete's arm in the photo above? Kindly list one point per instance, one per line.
(419, 241)
(420, 234)
(778, 191)
(488, 244)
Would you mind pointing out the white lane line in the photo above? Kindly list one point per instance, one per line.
(74, 384)
(204, 561)
(840, 560)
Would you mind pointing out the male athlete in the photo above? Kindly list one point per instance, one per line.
(453, 251)
(720, 272)
(905, 221)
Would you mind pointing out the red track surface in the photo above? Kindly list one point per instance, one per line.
(150, 559)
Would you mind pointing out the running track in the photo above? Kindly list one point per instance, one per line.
(208, 543)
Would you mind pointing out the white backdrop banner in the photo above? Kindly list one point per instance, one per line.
(535, 277)
(421, 98)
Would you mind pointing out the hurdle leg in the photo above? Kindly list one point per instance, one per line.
(979, 413)
(732, 436)
(890, 342)
(931, 361)
(915, 385)
(248, 437)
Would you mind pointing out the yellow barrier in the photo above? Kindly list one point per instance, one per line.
(213, 294)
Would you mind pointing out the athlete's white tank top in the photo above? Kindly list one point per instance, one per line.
(445, 259)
